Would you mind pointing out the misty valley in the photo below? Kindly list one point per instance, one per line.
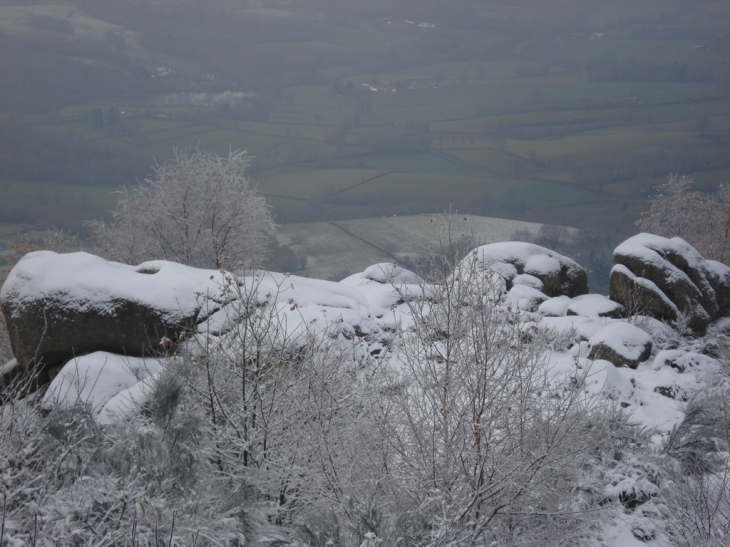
(557, 111)
(365, 273)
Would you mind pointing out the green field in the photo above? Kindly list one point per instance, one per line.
(542, 111)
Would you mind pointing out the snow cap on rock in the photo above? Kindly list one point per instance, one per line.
(387, 272)
(622, 344)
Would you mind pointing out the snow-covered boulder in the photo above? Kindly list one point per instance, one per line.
(58, 306)
(389, 273)
(641, 295)
(574, 327)
(95, 379)
(300, 305)
(555, 307)
(524, 297)
(605, 378)
(523, 263)
(622, 344)
(664, 277)
(528, 280)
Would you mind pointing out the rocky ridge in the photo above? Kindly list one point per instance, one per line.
(98, 331)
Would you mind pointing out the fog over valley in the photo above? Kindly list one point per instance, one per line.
(565, 112)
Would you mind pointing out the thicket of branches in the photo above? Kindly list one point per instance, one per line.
(198, 210)
(703, 220)
(699, 468)
(480, 438)
(268, 432)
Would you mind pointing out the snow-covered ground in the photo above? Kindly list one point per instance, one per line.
(366, 307)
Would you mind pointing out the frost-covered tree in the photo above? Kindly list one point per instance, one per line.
(199, 209)
(701, 219)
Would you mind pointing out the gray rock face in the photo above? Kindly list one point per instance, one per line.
(558, 274)
(58, 306)
(608, 353)
(49, 331)
(640, 295)
(666, 277)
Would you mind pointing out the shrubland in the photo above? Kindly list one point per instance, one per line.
(269, 426)
(269, 431)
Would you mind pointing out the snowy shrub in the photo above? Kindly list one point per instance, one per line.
(142, 481)
(718, 346)
(701, 441)
(320, 527)
(700, 219)
(621, 465)
(625, 472)
(697, 495)
(698, 509)
(481, 439)
(282, 401)
(199, 210)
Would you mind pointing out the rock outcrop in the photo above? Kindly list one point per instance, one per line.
(99, 378)
(526, 263)
(58, 306)
(93, 321)
(666, 278)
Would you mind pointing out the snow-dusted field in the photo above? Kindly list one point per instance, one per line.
(349, 246)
